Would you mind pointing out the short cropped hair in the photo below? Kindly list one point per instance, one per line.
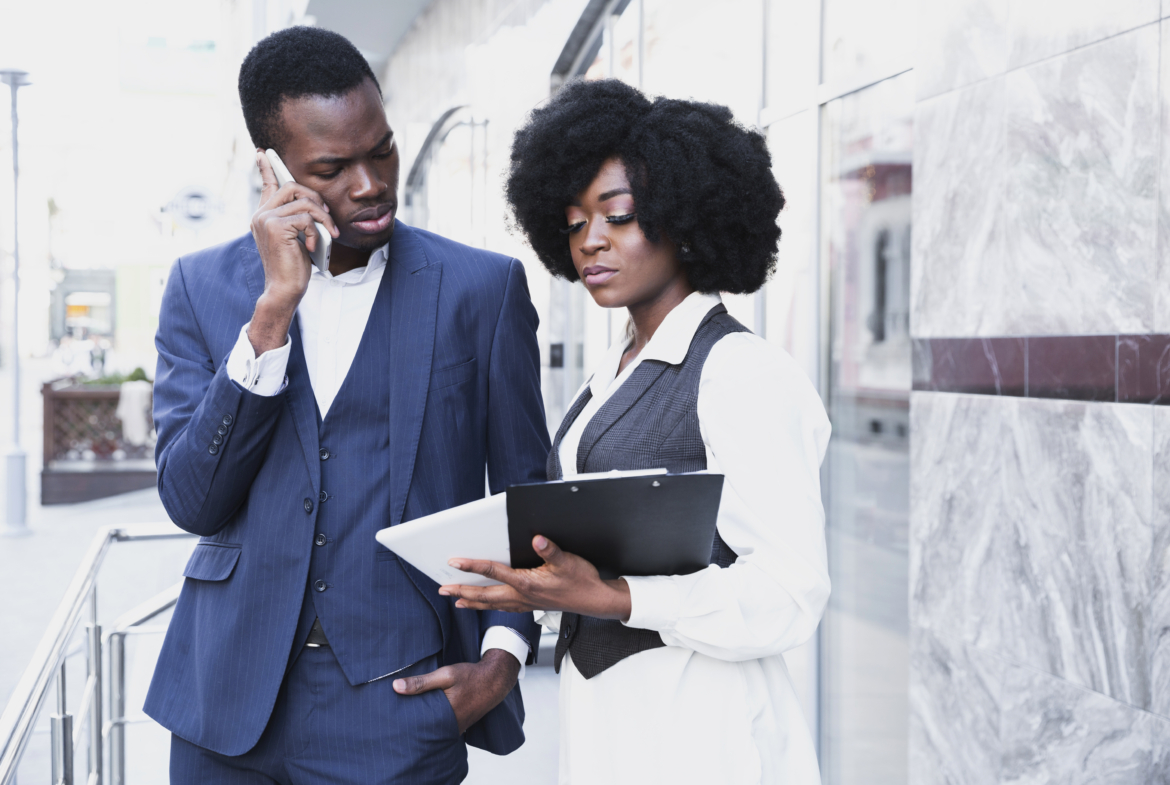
(697, 177)
(294, 63)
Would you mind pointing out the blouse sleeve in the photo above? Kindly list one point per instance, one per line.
(766, 431)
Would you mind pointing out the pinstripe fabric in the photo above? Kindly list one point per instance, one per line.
(459, 388)
(326, 731)
(650, 422)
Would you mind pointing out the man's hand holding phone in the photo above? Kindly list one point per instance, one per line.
(285, 213)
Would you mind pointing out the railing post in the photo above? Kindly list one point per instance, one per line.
(93, 665)
(61, 724)
(117, 708)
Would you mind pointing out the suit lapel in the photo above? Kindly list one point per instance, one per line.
(414, 303)
(302, 404)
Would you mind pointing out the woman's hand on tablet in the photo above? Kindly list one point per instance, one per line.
(564, 582)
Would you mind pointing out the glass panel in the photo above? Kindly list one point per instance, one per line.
(866, 39)
(866, 218)
(705, 51)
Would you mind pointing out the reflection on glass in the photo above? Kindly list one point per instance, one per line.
(865, 39)
(866, 208)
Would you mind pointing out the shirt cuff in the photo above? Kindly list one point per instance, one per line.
(510, 641)
(263, 375)
(655, 603)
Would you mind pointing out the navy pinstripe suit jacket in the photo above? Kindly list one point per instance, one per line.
(454, 312)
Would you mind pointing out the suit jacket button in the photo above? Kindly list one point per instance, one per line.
(324, 454)
(227, 419)
(217, 439)
(213, 449)
(308, 503)
(320, 539)
(322, 496)
(319, 585)
(221, 430)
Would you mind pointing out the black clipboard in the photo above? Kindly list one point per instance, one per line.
(653, 524)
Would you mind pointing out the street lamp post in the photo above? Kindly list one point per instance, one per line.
(14, 521)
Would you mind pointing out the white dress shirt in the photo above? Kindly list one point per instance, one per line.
(333, 315)
(716, 703)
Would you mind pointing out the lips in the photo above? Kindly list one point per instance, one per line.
(597, 275)
(373, 220)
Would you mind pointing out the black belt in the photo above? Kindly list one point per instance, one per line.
(317, 637)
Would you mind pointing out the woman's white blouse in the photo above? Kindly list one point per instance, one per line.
(716, 704)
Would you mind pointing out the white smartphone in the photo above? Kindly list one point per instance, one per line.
(320, 256)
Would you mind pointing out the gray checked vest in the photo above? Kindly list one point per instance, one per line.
(650, 422)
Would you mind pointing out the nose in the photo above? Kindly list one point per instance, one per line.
(595, 239)
(367, 185)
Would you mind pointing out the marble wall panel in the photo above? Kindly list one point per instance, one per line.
(958, 264)
(1162, 283)
(955, 696)
(1054, 731)
(960, 42)
(1081, 152)
(1159, 614)
(1044, 28)
(1030, 533)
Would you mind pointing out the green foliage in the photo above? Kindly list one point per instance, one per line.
(137, 375)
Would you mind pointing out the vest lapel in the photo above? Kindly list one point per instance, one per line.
(302, 404)
(414, 303)
(553, 470)
(640, 381)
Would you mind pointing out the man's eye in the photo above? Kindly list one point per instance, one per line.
(328, 175)
(382, 156)
(620, 219)
(573, 228)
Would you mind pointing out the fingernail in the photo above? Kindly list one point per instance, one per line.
(460, 604)
(399, 685)
(455, 563)
(541, 543)
(444, 593)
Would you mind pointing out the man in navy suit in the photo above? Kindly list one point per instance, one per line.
(300, 411)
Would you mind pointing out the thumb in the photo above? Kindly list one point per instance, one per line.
(425, 682)
(548, 550)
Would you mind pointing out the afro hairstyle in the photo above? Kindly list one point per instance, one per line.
(698, 178)
(294, 63)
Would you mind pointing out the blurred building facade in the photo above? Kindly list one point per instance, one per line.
(998, 543)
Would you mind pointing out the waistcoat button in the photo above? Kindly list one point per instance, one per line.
(319, 585)
(320, 539)
(325, 454)
(308, 505)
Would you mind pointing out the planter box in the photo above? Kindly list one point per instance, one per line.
(85, 456)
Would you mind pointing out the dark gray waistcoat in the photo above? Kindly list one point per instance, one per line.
(651, 422)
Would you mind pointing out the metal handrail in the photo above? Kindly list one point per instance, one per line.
(16, 722)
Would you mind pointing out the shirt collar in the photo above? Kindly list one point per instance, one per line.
(373, 269)
(670, 343)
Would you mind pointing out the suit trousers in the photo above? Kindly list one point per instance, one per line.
(323, 730)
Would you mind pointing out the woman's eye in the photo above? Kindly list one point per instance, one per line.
(573, 228)
(620, 219)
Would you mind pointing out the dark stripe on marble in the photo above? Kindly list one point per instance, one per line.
(1120, 368)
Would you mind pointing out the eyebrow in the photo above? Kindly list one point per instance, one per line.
(611, 194)
(337, 160)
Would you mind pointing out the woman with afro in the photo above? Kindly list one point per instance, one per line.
(658, 206)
